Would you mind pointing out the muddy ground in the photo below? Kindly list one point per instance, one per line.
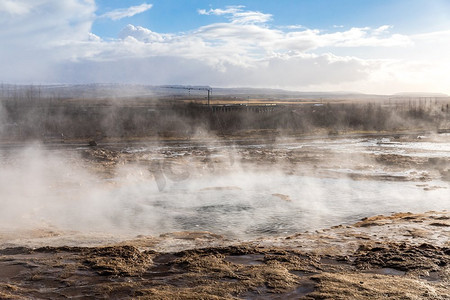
(403, 256)
(399, 256)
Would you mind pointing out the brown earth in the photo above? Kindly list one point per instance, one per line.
(399, 257)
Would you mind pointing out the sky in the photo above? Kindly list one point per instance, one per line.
(370, 46)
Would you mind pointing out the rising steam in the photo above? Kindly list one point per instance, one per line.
(41, 187)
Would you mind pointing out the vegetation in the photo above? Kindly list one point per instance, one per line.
(28, 116)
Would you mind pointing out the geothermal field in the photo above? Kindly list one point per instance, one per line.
(171, 198)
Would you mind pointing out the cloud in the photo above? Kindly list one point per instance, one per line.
(50, 41)
(382, 29)
(47, 32)
(141, 34)
(121, 13)
(292, 27)
(14, 7)
(270, 72)
(238, 15)
(365, 37)
(229, 10)
(48, 21)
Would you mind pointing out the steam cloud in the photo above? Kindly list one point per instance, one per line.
(41, 187)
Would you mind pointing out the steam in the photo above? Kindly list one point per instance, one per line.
(42, 187)
(215, 191)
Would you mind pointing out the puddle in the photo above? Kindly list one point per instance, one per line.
(164, 258)
(433, 277)
(159, 271)
(247, 260)
(303, 273)
(334, 262)
(386, 271)
(300, 203)
(306, 287)
(11, 271)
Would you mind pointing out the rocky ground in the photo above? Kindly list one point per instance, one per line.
(402, 256)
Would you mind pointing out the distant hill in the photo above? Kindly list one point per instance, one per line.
(420, 94)
(113, 90)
